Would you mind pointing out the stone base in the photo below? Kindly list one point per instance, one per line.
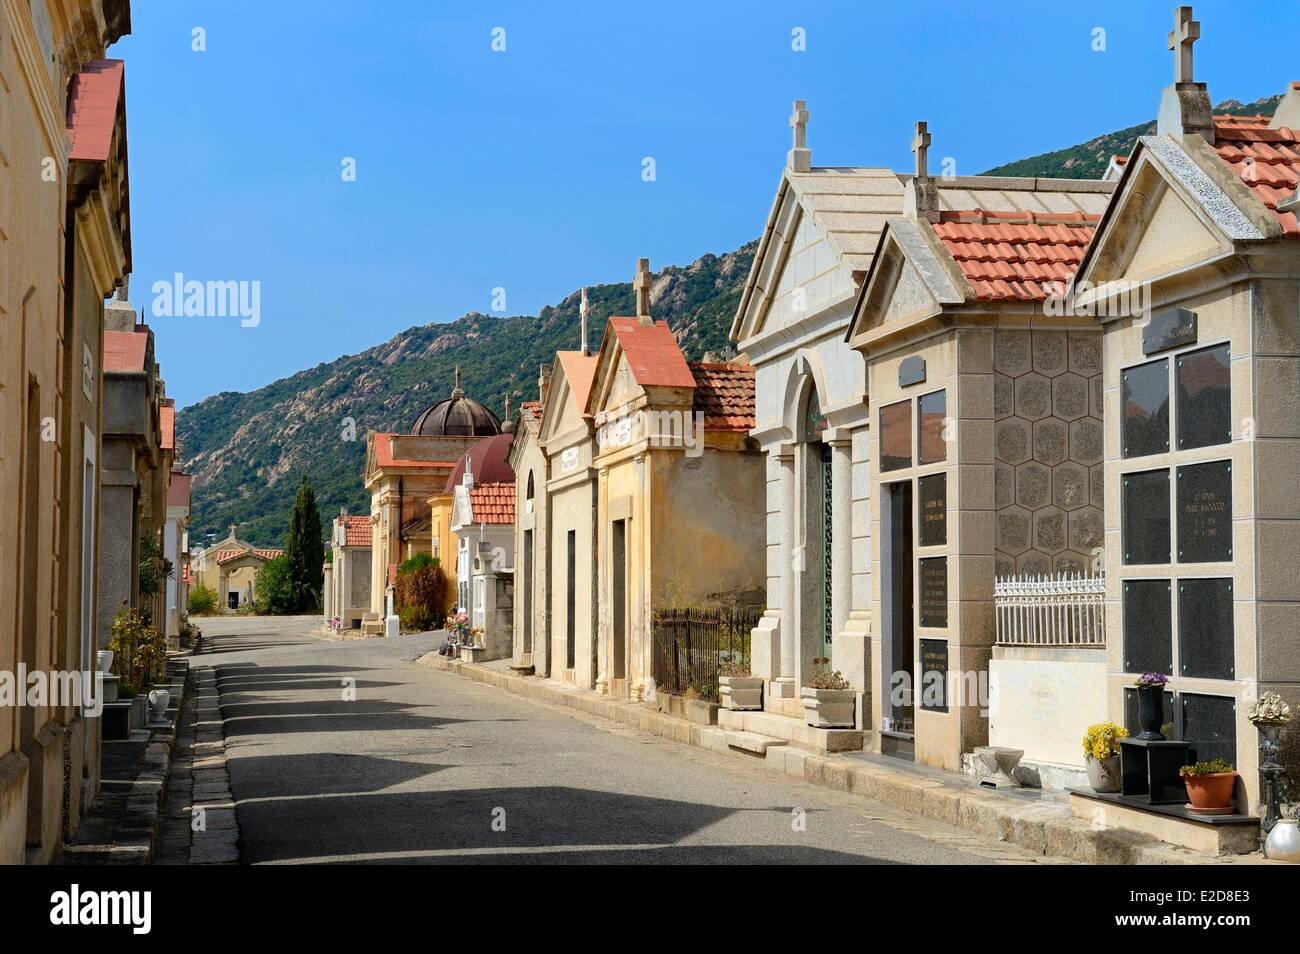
(795, 731)
(752, 742)
(13, 808)
(1217, 835)
(782, 688)
(1034, 774)
(699, 711)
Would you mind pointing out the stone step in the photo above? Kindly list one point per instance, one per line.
(795, 731)
(753, 742)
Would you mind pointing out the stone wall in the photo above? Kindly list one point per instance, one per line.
(1048, 449)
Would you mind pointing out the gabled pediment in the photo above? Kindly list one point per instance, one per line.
(1168, 214)
(816, 246)
(911, 279)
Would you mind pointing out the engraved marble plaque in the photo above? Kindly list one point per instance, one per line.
(1205, 512)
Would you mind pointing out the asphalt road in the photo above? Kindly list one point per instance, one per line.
(346, 751)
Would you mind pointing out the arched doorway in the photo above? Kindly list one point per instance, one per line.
(817, 531)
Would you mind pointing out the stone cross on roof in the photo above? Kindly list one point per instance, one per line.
(1186, 32)
(641, 285)
(456, 391)
(921, 148)
(800, 156)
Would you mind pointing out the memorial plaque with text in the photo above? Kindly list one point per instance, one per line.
(1148, 626)
(896, 436)
(1171, 328)
(1145, 403)
(934, 592)
(1204, 397)
(1205, 512)
(934, 675)
(1145, 515)
(934, 510)
(1206, 643)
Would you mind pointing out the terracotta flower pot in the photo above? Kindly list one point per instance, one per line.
(1211, 791)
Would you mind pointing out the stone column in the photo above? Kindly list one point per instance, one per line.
(783, 687)
(223, 581)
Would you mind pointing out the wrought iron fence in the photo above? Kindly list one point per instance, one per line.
(1042, 610)
(691, 643)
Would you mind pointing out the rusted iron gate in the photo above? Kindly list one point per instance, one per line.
(691, 643)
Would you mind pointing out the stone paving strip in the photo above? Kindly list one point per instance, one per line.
(216, 840)
(1045, 828)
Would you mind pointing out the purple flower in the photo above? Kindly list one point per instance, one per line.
(1152, 679)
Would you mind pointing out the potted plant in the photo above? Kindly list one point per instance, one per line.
(828, 697)
(737, 688)
(1210, 786)
(1151, 704)
(1101, 748)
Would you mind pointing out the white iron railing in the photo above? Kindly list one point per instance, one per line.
(1040, 610)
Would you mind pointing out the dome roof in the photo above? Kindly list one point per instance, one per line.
(456, 416)
(488, 460)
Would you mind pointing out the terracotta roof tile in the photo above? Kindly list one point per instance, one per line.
(724, 394)
(493, 503)
(266, 553)
(1012, 256)
(1266, 159)
(178, 489)
(580, 372)
(357, 531)
(167, 424)
(93, 97)
(124, 350)
(384, 455)
(652, 353)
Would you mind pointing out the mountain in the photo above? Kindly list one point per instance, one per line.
(1089, 160)
(247, 450)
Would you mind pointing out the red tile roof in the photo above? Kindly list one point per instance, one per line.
(724, 394)
(580, 372)
(93, 97)
(493, 503)
(167, 424)
(178, 489)
(652, 353)
(1015, 256)
(266, 553)
(384, 455)
(124, 350)
(1268, 160)
(357, 531)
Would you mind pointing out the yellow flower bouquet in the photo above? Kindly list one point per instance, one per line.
(1101, 741)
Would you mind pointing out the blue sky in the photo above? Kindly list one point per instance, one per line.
(522, 169)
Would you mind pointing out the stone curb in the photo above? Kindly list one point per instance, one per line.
(135, 836)
(1044, 828)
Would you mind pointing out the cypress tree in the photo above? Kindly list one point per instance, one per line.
(305, 551)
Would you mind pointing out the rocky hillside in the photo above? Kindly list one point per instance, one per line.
(247, 450)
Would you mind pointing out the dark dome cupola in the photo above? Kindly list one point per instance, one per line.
(456, 416)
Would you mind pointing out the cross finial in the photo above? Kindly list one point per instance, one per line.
(1186, 32)
(799, 123)
(921, 148)
(800, 157)
(641, 286)
(456, 391)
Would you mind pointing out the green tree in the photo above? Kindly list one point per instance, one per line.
(274, 588)
(304, 551)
